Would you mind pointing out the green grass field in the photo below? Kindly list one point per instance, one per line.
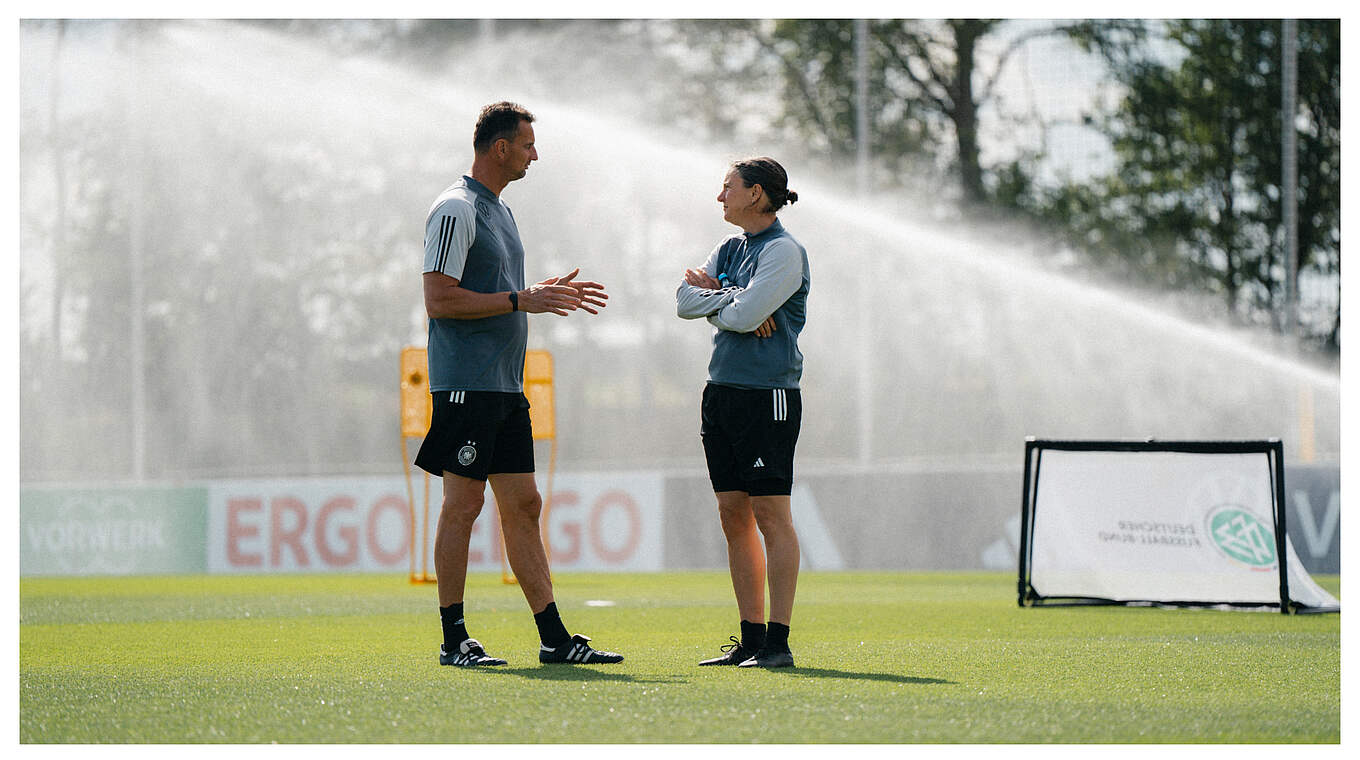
(883, 658)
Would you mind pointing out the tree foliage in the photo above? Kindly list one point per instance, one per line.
(277, 251)
(1195, 198)
(923, 100)
(929, 81)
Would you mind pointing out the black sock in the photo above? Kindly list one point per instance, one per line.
(778, 637)
(550, 629)
(752, 635)
(455, 632)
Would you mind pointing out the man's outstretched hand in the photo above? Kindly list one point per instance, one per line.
(560, 295)
(589, 294)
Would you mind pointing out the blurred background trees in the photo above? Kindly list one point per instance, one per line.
(178, 243)
(1192, 200)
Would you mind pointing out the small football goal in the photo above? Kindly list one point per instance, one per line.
(1174, 523)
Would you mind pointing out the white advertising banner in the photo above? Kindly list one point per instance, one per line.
(596, 522)
(1155, 526)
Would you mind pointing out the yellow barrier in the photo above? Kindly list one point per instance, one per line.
(416, 409)
(538, 388)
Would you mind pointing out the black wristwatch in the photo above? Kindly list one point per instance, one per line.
(514, 301)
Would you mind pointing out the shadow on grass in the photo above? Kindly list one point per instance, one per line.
(855, 675)
(576, 673)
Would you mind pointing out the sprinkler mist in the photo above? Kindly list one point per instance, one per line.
(925, 346)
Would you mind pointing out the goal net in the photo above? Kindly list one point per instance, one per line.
(1191, 523)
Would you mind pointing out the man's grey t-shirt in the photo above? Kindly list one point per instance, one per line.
(470, 235)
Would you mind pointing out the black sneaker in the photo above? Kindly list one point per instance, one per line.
(769, 658)
(469, 655)
(577, 652)
(734, 654)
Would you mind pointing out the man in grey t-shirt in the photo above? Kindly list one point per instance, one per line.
(479, 431)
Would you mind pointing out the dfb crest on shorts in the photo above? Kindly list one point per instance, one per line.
(467, 455)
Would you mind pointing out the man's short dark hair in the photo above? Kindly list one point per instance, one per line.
(498, 121)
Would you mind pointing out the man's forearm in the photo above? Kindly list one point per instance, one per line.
(461, 303)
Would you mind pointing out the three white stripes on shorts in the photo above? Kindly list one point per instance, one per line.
(456, 397)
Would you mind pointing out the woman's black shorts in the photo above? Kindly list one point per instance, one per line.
(749, 437)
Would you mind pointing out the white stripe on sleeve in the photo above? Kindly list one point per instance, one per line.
(449, 232)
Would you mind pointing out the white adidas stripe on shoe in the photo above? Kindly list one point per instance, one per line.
(577, 652)
(469, 654)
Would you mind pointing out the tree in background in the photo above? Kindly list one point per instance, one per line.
(275, 261)
(1193, 202)
(276, 251)
(1195, 197)
(928, 82)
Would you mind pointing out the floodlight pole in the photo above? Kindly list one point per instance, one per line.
(862, 105)
(866, 373)
(59, 206)
(1289, 188)
(136, 251)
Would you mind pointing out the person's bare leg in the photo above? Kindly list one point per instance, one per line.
(745, 555)
(463, 500)
(774, 516)
(520, 504)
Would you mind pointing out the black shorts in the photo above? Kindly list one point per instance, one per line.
(478, 433)
(749, 437)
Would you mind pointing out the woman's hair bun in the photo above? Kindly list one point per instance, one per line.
(766, 172)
